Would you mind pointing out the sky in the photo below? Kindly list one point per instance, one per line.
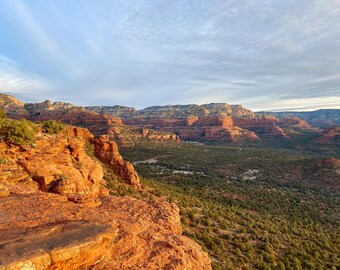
(263, 54)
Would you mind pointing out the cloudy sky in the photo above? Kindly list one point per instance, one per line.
(264, 54)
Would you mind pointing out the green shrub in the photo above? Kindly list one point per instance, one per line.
(20, 132)
(53, 127)
(3, 160)
(89, 149)
(2, 114)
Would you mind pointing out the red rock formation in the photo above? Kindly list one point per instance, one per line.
(74, 229)
(47, 231)
(294, 122)
(330, 136)
(263, 127)
(11, 106)
(57, 164)
(40, 230)
(107, 152)
(98, 124)
(129, 135)
(195, 128)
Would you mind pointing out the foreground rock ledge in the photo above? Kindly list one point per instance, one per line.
(49, 231)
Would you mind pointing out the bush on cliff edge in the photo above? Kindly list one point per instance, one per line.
(2, 114)
(53, 127)
(19, 132)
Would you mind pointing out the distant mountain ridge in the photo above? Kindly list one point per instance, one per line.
(218, 122)
(176, 111)
(98, 124)
(320, 118)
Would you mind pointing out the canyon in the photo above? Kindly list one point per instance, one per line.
(97, 124)
(215, 122)
(63, 195)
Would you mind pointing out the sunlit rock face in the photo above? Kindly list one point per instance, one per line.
(56, 212)
(103, 123)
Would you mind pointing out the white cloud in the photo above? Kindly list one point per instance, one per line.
(143, 53)
(14, 80)
(299, 104)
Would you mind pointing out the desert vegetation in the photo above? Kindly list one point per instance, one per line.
(19, 132)
(53, 127)
(22, 132)
(250, 208)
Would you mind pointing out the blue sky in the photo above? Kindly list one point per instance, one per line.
(264, 54)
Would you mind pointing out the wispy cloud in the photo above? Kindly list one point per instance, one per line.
(145, 52)
(13, 80)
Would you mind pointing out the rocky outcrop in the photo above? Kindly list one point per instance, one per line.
(57, 164)
(173, 111)
(176, 111)
(129, 135)
(107, 152)
(37, 108)
(263, 127)
(294, 122)
(70, 114)
(117, 111)
(196, 128)
(47, 231)
(11, 106)
(63, 112)
(55, 212)
(98, 124)
(329, 136)
(203, 122)
(127, 126)
(224, 109)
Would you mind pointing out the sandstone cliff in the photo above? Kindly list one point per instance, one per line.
(47, 231)
(107, 152)
(197, 128)
(264, 127)
(12, 106)
(294, 122)
(329, 136)
(55, 163)
(60, 163)
(79, 226)
(176, 111)
(117, 111)
(246, 125)
(98, 124)
(128, 126)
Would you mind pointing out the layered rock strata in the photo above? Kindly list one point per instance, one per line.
(47, 231)
(329, 136)
(107, 152)
(264, 127)
(60, 164)
(98, 124)
(55, 212)
(195, 128)
(57, 164)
